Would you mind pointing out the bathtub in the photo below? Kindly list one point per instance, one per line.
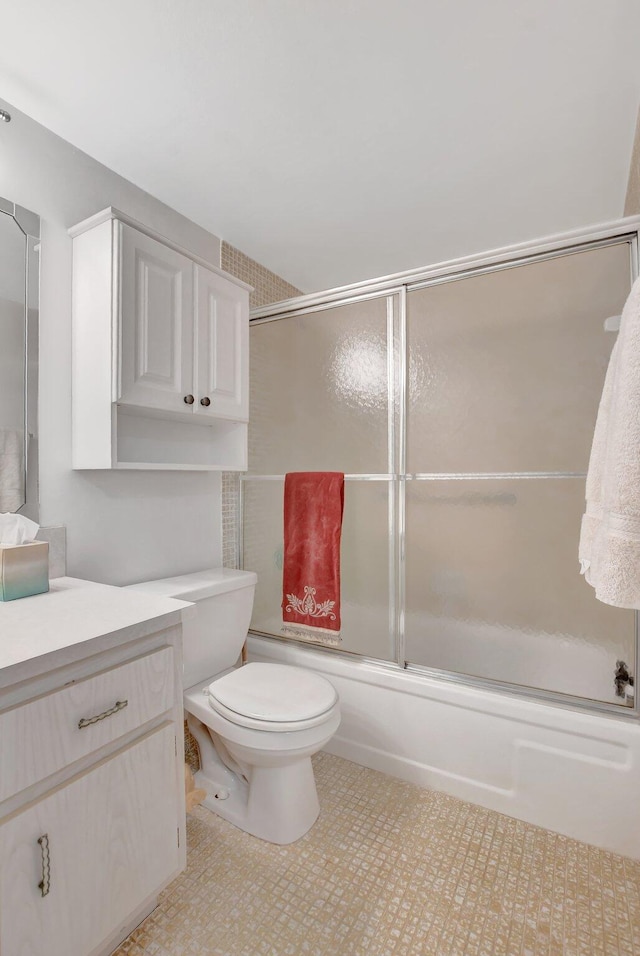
(561, 768)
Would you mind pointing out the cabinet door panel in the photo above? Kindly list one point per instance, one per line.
(156, 323)
(112, 842)
(222, 347)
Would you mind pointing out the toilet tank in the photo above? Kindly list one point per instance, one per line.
(213, 638)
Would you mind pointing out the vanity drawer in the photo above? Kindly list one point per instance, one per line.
(48, 733)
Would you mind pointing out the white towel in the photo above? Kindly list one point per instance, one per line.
(609, 549)
(11, 470)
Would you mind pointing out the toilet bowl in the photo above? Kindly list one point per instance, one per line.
(257, 726)
(256, 758)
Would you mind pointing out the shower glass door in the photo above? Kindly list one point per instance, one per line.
(461, 407)
(505, 372)
(324, 397)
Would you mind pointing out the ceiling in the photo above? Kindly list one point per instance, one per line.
(338, 140)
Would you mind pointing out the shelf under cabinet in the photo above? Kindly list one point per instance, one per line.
(142, 442)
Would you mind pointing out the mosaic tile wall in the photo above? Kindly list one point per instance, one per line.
(267, 287)
(230, 503)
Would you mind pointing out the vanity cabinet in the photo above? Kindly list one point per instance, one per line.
(92, 822)
(160, 353)
(76, 862)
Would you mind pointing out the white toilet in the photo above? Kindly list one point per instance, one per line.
(257, 726)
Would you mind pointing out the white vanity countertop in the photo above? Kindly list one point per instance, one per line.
(53, 629)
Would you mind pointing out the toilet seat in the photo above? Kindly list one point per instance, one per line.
(272, 697)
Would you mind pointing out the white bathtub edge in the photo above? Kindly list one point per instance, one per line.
(570, 771)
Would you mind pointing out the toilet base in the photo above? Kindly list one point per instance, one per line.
(276, 801)
(263, 811)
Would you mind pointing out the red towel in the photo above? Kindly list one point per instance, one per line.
(313, 504)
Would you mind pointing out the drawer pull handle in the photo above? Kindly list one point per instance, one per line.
(87, 721)
(45, 883)
(206, 401)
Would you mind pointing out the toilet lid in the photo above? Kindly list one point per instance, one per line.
(272, 693)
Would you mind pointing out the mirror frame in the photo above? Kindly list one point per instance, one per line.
(29, 224)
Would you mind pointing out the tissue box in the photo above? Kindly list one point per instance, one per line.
(24, 569)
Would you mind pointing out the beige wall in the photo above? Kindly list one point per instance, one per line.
(267, 287)
(632, 203)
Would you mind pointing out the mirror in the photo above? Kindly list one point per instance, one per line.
(19, 293)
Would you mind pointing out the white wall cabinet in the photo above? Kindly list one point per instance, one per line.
(160, 353)
(222, 372)
(157, 323)
(92, 822)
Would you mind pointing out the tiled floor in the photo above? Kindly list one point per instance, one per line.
(390, 869)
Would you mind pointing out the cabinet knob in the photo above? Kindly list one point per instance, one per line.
(206, 401)
(189, 399)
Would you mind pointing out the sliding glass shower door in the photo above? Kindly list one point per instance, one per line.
(505, 375)
(461, 408)
(324, 397)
